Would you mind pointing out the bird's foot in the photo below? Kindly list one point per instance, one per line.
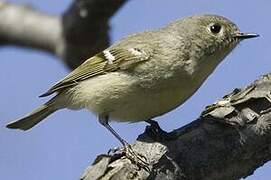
(156, 132)
(136, 158)
(139, 159)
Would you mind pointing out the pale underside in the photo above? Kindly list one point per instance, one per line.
(124, 99)
(135, 83)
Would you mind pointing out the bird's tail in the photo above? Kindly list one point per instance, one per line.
(33, 118)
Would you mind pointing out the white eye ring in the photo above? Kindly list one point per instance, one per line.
(215, 28)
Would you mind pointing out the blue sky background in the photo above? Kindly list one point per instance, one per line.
(63, 146)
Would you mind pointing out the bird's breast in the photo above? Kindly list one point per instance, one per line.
(130, 98)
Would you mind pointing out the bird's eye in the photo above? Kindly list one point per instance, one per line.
(215, 28)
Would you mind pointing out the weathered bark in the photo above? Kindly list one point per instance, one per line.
(82, 31)
(230, 140)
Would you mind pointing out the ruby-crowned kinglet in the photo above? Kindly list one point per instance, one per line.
(143, 75)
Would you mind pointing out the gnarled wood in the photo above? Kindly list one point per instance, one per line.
(230, 140)
(79, 33)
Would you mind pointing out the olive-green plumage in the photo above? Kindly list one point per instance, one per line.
(146, 74)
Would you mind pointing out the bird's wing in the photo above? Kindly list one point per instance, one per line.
(107, 61)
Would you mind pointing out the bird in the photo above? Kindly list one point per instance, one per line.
(144, 75)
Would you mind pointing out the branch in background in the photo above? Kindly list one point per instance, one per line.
(229, 141)
(86, 28)
(81, 32)
(21, 25)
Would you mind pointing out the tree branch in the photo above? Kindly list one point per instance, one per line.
(21, 25)
(229, 141)
(85, 28)
(81, 32)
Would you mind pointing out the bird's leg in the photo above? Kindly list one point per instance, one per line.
(156, 132)
(136, 158)
(104, 121)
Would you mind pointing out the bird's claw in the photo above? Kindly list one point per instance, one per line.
(136, 158)
(127, 151)
(156, 132)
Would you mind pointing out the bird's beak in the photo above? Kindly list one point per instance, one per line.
(241, 35)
